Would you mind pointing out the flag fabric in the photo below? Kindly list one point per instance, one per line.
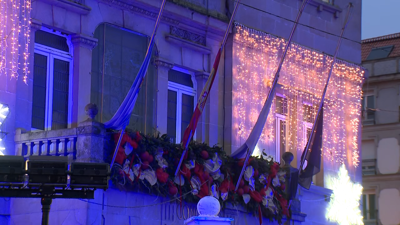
(311, 157)
(191, 128)
(255, 134)
(121, 118)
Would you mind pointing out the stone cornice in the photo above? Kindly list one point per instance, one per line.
(84, 41)
(172, 16)
(163, 63)
(70, 5)
(35, 25)
(142, 11)
(202, 75)
(187, 44)
(380, 177)
(380, 127)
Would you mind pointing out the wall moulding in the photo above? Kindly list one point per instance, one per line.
(70, 5)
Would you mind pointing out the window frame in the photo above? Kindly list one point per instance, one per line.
(180, 90)
(364, 109)
(367, 194)
(308, 125)
(51, 54)
(278, 118)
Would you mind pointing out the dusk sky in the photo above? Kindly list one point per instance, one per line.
(380, 17)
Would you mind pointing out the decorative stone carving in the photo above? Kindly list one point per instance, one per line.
(91, 110)
(162, 62)
(140, 10)
(83, 40)
(187, 35)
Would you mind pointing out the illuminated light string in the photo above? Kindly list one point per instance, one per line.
(4, 111)
(15, 22)
(302, 81)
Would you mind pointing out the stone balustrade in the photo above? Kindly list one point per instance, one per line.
(52, 143)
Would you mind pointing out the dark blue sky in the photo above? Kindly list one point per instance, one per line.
(380, 17)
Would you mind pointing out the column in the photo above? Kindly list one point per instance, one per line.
(163, 66)
(81, 80)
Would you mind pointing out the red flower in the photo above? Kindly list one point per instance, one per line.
(256, 196)
(162, 176)
(138, 137)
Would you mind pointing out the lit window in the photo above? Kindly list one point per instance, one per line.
(181, 103)
(368, 107)
(281, 113)
(51, 81)
(308, 120)
(369, 207)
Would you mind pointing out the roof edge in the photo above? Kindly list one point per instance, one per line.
(381, 38)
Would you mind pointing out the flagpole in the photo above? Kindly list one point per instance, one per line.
(271, 94)
(312, 136)
(204, 94)
(141, 81)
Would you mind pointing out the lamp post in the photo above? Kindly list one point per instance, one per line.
(49, 177)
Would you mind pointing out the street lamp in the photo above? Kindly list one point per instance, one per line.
(48, 177)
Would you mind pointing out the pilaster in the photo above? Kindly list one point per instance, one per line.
(162, 93)
(81, 80)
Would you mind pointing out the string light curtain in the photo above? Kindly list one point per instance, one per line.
(302, 81)
(14, 37)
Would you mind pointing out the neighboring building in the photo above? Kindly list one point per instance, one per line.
(381, 130)
(89, 51)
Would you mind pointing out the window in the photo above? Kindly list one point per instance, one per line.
(308, 121)
(369, 207)
(181, 103)
(380, 52)
(368, 107)
(281, 113)
(116, 61)
(51, 81)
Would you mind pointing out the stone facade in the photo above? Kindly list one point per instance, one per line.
(381, 151)
(188, 38)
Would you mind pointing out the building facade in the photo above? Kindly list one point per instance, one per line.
(89, 51)
(380, 144)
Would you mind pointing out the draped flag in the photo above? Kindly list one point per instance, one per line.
(311, 157)
(312, 153)
(121, 118)
(246, 150)
(191, 128)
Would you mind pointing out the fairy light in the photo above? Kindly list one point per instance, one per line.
(15, 37)
(4, 111)
(302, 79)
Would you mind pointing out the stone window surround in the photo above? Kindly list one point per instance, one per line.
(324, 6)
(181, 89)
(56, 54)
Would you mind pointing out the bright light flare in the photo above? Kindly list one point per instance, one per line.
(344, 207)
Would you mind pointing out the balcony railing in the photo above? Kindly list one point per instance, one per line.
(52, 143)
(369, 167)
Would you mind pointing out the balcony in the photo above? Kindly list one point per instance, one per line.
(369, 167)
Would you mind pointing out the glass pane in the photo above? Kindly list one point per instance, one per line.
(371, 207)
(282, 137)
(307, 113)
(51, 40)
(39, 91)
(180, 78)
(281, 105)
(364, 203)
(116, 61)
(171, 115)
(308, 133)
(187, 111)
(60, 94)
(370, 102)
